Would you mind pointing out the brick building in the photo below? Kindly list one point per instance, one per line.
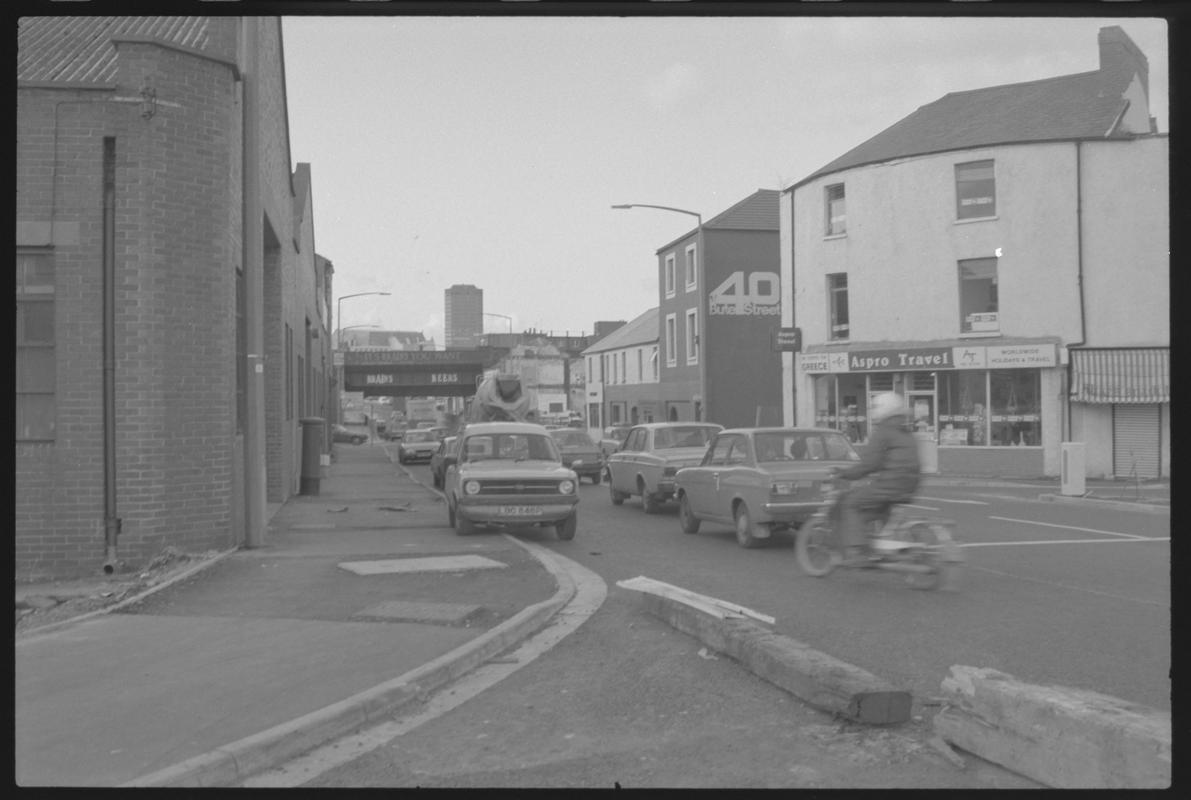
(172, 317)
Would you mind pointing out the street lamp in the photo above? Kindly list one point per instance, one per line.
(339, 312)
(504, 317)
(694, 214)
(702, 312)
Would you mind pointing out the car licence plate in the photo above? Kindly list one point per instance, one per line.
(519, 511)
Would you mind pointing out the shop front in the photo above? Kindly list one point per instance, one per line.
(975, 409)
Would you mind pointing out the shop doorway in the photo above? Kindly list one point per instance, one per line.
(922, 412)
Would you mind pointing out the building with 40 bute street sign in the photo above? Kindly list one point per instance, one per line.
(173, 319)
(1000, 257)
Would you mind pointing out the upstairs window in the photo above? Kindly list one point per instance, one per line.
(671, 340)
(691, 268)
(978, 296)
(975, 190)
(837, 213)
(669, 269)
(36, 366)
(837, 294)
(692, 336)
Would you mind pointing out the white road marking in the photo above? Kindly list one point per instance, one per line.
(923, 508)
(1083, 589)
(1131, 540)
(949, 500)
(1069, 527)
(590, 591)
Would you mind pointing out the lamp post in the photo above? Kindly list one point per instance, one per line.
(505, 317)
(339, 312)
(702, 311)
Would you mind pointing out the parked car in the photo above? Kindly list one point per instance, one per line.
(438, 466)
(614, 437)
(759, 480)
(507, 474)
(652, 453)
(417, 445)
(395, 431)
(349, 433)
(579, 453)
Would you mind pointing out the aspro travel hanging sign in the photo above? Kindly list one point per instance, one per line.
(744, 295)
(933, 358)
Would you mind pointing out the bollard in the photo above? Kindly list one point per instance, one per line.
(312, 448)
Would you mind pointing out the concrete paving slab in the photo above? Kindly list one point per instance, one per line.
(196, 684)
(432, 564)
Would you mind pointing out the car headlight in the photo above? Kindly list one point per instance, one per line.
(577, 462)
(566, 487)
(471, 487)
(784, 487)
(669, 472)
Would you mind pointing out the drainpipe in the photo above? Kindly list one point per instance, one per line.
(255, 480)
(111, 522)
(1083, 334)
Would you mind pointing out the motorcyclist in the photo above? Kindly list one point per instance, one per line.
(891, 458)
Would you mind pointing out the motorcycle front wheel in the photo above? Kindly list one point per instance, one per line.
(814, 548)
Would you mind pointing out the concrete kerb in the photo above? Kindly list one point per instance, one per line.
(235, 762)
(1122, 505)
(815, 677)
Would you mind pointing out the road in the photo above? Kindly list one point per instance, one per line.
(1052, 594)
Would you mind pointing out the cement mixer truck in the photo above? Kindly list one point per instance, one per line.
(500, 398)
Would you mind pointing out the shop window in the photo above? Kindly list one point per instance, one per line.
(963, 408)
(1016, 400)
(669, 275)
(692, 336)
(837, 293)
(978, 310)
(36, 364)
(671, 340)
(975, 190)
(837, 216)
(692, 268)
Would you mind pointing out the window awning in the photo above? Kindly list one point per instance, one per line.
(1120, 375)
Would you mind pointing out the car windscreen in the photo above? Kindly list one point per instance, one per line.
(420, 436)
(682, 436)
(573, 439)
(803, 446)
(510, 446)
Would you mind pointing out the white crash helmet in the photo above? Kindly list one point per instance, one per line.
(886, 405)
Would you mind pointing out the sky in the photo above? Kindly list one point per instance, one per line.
(489, 150)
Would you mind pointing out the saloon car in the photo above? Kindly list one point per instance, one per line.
(417, 445)
(645, 464)
(353, 434)
(579, 453)
(614, 437)
(509, 474)
(438, 465)
(759, 480)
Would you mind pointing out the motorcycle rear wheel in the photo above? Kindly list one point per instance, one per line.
(815, 549)
(934, 541)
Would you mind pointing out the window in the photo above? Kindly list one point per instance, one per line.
(837, 213)
(963, 408)
(837, 293)
(669, 278)
(994, 407)
(36, 365)
(975, 190)
(691, 268)
(653, 361)
(692, 336)
(640, 365)
(624, 374)
(978, 296)
(671, 341)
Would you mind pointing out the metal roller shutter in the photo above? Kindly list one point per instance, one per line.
(1136, 440)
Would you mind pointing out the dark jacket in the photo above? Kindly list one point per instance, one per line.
(891, 457)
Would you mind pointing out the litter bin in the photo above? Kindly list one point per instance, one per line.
(312, 449)
(1073, 470)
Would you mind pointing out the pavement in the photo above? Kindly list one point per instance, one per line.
(360, 601)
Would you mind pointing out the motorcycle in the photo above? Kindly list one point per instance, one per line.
(923, 549)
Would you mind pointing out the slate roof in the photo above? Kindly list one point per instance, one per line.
(79, 49)
(642, 330)
(757, 212)
(1086, 105)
